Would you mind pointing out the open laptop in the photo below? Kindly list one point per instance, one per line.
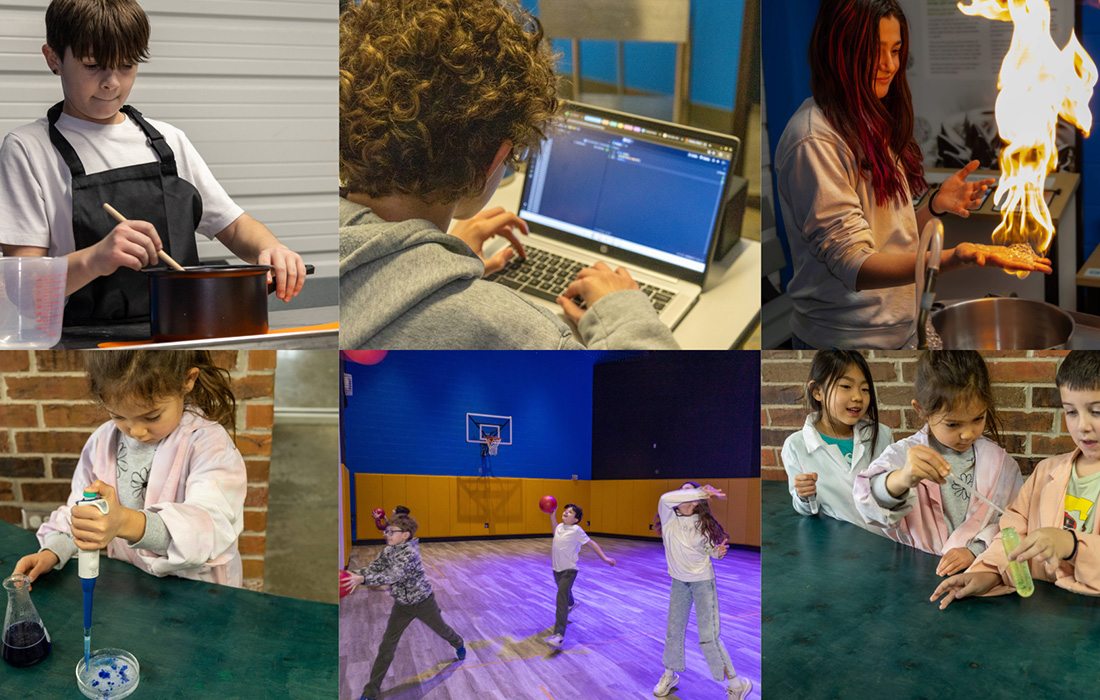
(630, 191)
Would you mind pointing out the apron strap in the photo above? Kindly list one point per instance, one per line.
(156, 140)
(63, 147)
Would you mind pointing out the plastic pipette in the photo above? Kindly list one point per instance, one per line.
(88, 568)
(958, 482)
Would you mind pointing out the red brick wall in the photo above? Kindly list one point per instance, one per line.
(46, 416)
(1023, 384)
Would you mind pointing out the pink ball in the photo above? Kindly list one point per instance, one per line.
(547, 504)
(345, 583)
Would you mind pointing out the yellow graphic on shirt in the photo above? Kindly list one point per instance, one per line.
(1077, 512)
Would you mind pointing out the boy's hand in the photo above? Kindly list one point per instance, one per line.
(954, 561)
(132, 244)
(34, 565)
(91, 529)
(805, 485)
(351, 582)
(610, 561)
(592, 284)
(1047, 545)
(486, 225)
(963, 585)
(289, 273)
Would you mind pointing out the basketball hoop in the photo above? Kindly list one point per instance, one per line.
(492, 444)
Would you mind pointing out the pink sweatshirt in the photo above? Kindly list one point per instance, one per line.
(920, 521)
(1041, 503)
(197, 485)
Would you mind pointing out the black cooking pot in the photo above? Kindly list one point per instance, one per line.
(211, 301)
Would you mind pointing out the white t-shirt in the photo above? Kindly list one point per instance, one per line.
(36, 206)
(687, 550)
(568, 540)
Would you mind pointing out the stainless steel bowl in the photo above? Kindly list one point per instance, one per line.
(1003, 323)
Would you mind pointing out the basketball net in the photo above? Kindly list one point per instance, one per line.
(492, 443)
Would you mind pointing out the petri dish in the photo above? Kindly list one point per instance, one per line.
(110, 674)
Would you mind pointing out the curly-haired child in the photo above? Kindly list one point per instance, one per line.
(436, 98)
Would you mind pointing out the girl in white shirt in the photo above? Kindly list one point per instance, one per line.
(841, 437)
(692, 536)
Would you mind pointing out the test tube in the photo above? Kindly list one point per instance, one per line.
(1021, 575)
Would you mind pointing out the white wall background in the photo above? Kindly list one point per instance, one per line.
(253, 83)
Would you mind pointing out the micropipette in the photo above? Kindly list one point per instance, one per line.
(88, 568)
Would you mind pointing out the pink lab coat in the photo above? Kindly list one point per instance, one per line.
(1041, 503)
(920, 522)
(197, 485)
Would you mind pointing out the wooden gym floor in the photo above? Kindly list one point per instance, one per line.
(499, 595)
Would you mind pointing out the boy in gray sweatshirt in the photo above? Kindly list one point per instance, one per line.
(431, 112)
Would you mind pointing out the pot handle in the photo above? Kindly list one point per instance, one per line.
(271, 285)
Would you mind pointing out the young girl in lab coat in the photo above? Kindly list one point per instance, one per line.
(847, 169)
(173, 480)
(1055, 511)
(920, 489)
(841, 436)
(691, 536)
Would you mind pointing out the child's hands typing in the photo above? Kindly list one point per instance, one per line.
(963, 585)
(805, 485)
(92, 529)
(922, 462)
(1047, 545)
(487, 224)
(34, 565)
(954, 561)
(591, 285)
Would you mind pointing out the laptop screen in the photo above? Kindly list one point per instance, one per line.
(646, 187)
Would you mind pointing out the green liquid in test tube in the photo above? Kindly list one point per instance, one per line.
(1021, 575)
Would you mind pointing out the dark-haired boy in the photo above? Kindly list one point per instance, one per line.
(57, 172)
(569, 537)
(1055, 511)
(423, 142)
(399, 567)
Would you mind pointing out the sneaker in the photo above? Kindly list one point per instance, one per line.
(738, 689)
(664, 686)
(554, 640)
(461, 652)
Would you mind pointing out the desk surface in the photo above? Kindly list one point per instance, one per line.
(727, 309)
(191, 639)
(846, 614)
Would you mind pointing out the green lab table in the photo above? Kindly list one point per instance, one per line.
(846, 615)
(191, 639)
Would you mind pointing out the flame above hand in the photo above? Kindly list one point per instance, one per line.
(1038, 83)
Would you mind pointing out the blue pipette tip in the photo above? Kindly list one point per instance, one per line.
(87, 648)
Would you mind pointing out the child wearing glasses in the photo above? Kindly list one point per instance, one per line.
(399, 567)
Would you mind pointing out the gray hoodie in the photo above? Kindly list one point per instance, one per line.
(408, 285)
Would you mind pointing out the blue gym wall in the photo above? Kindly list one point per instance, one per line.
(716, 39)
(786, 28)
(407, 414)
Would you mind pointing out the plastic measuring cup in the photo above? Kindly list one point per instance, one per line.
(32, 301)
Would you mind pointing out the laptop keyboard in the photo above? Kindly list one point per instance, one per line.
(546, 275)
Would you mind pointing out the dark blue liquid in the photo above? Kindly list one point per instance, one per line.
(25, 644)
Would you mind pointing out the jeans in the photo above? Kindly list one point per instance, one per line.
(705, 596)
(427, 611)
(565, 580)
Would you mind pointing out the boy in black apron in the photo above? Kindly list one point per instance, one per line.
(51, 197)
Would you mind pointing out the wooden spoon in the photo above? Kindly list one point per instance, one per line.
(163, 256)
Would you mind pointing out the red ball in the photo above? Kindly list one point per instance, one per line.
(345, 583)
(547, 504)
(378, 513)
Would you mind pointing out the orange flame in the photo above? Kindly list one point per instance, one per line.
(1038, 83)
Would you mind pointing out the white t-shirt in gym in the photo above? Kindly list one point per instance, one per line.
(568, 540)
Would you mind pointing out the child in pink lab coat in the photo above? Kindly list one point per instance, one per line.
(920, 489)
(1055, 512)
(173, 480)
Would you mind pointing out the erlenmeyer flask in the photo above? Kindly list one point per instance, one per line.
(26, 640)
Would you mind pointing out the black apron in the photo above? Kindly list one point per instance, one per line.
(150, 192)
